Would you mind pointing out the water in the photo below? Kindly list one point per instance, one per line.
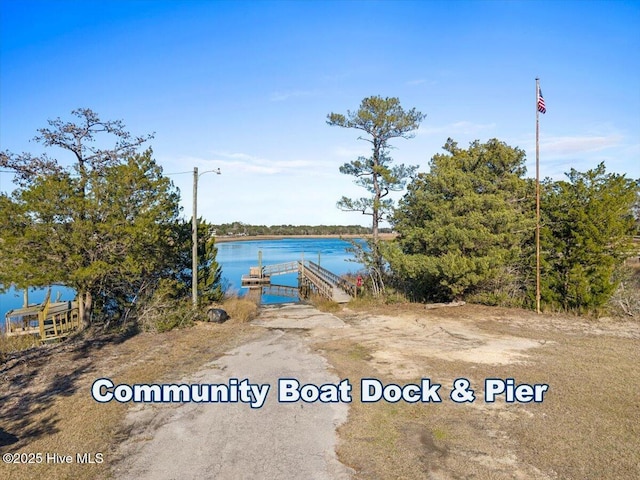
(235, 258)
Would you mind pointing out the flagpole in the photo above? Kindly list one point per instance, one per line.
(537, 197)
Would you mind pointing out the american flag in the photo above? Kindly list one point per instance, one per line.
(541, 106)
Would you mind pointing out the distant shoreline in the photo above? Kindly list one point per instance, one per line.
(245, 238)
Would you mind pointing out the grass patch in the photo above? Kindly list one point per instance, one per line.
(324, 304)
(366, 301)
(240, 310)
(358, 352)
(16, 343)
(588, 428)
(380, 440)
(439, 434)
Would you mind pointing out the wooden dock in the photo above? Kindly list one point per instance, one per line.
(48, 321)
(311, 278)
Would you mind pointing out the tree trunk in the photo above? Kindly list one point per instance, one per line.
(377, 191)
(376, 202)
(374, 227)
(85, 304)
(81, 308)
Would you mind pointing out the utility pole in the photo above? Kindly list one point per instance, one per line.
(194, 240)
(194, 235)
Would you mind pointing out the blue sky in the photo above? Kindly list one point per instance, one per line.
(246, 87)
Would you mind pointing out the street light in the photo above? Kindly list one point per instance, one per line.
(194, 235)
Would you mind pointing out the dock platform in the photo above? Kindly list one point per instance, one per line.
(311, 278)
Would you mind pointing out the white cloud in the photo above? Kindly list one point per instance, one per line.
(243, 163)
(238, 162)
(259, 198)
(559, 154)
(282, 96)
(351, 153)
(571, 145)
(241, 167)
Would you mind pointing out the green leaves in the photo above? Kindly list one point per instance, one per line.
(105, 226)
(466, 229)
(382, 118)
(461, 225)
(587, 223)
(209, 271)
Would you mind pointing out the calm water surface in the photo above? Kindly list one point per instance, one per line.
(235, 259)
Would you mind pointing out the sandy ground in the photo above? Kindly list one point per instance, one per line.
(586, 427)
(401, 347)
(298, 440)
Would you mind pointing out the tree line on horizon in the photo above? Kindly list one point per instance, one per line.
(244, 229)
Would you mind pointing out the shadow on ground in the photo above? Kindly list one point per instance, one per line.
(31, 380)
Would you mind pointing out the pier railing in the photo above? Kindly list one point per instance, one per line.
(334, 279)
(323, 286)
(48, 321)
(280, 268)
(310, 275)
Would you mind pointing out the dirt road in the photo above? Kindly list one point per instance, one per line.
(232, 440)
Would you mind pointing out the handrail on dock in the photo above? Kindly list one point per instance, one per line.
(338, 281)
(280, 268)
(323, 286)
(310, 274)
(46, 321)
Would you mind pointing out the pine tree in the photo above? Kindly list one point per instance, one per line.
(104, 226)
(461, 226)
(587, 224)
(382, 119)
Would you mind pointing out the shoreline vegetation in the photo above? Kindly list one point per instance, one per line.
(242, 238)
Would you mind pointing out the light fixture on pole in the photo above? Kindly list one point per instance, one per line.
(194, 235)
